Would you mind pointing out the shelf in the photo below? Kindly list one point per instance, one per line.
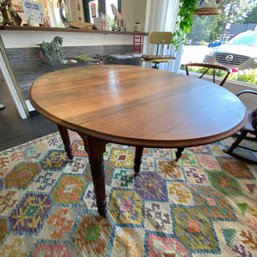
(27, 28)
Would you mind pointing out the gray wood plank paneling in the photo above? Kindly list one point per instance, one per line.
(27, 65)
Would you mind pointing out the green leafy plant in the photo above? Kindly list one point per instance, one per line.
(185, 21)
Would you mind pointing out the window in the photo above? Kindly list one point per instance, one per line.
(102, 6)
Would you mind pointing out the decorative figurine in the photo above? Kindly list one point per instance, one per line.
(119, 21)
(51, 53)
(10, 16)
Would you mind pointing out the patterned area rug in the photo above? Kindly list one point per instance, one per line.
(205, 205)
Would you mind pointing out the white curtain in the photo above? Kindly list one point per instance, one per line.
(161, 15)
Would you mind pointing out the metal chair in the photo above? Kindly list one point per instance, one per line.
(250, 128)
(160, 39)
(208, 67)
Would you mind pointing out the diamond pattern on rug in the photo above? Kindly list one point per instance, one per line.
(122, 158)
(77, 166)
(45, 181)
(151, 186)
(59, 223)
(14, 247)
(158, 217)
(69, 190)
(21, 175)
(169, 170)
(188, 159)
(123, 178)
(208, 162)
(128, 242)
(200, 150)
(179, 193)
(147, 163)
(236, 168)
(195, 231)
(29, 215)
(126, 207)
(225, 183)
(199, 206)
(162, 153)
(92, 236)
(54, 160)
(196, 176)
(213, 204)
(51, 249)
(165, 246)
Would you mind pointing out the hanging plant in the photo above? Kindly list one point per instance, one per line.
(208, 7)
(187, 10)
(185, 21)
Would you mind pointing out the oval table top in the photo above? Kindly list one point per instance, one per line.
(138, 106)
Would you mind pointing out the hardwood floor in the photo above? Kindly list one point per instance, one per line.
(13, 129)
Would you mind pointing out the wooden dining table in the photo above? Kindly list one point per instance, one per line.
(134, 106)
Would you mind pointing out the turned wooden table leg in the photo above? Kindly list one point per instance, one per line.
(179, 153)
(95, 148)
(66, 140)
(138, 159)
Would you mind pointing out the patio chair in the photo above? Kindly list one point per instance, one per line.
(206, 67)
(248, 132)
(160, 39)
(213, 67)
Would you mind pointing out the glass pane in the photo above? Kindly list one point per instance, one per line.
(108, 7)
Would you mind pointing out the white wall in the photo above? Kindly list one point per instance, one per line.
(19, 39)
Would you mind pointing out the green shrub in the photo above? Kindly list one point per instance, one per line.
(249, 76)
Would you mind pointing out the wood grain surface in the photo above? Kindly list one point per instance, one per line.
(138, 106)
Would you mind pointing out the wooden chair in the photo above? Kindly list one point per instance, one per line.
(250, 128)
(160, 39)
(208, 67)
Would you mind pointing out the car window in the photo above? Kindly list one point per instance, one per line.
(244, 40)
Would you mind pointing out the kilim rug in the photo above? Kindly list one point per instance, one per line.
(206, 205)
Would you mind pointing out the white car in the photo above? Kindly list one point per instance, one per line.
(238, 54)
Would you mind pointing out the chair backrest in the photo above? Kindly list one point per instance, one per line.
(160, 38)
(214, 69)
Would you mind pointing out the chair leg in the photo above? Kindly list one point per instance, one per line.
(179, 153)
(155, 66)
(237, 142)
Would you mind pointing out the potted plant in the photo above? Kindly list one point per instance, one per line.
(210, 7)
(187, 10)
